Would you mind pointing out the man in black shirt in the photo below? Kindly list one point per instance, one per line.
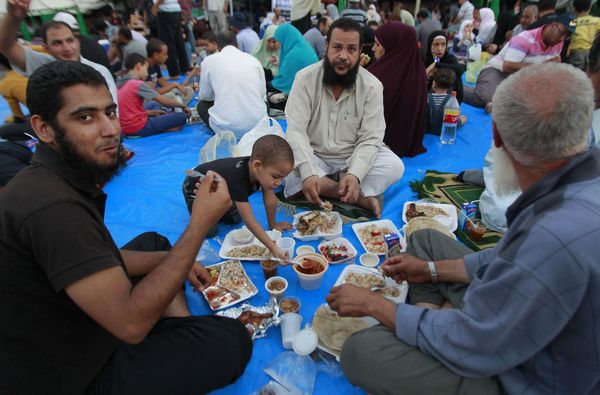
(72, 320)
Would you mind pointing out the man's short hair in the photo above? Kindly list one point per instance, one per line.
(546, 5)
(322, 21)
(423, 14)
(226, 38)
(153, 46)
(47, 83)
(444, 78)
(582, 5)
(346, 25)
(373, 22)
(52, 25)
(271, 149)
(543, 112)
(210, 37)
(134, 59)
(125, 32)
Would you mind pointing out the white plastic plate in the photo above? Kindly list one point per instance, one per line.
(384, 223)
(335, 233)
(252, 290)
(451, 222)
(340, 241)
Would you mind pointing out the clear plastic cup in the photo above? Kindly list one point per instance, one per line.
(290, 325)
(287, 244)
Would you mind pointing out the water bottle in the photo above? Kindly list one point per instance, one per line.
(451, 114)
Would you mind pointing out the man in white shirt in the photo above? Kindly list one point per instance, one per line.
(233, 90)
(59, 41)
(215, 9)
(336, 127)
(465, 12)
(246, 38)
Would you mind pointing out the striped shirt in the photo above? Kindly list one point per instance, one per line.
(527, 47)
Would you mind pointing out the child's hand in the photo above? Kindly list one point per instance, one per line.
(281, 255)
(282, 226)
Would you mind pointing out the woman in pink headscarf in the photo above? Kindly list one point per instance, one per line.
(401, 71)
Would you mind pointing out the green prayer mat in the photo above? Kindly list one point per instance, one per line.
(444, 188)
(348, 212)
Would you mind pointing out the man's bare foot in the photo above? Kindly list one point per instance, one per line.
(370, 203)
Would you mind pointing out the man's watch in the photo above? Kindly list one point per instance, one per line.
(434, 275)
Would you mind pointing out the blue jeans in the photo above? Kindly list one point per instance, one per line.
(161, 123)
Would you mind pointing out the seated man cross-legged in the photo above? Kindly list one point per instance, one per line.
(336, 127)
(525, 313)
(79, 314)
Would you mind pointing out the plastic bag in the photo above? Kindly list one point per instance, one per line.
(208, 255)
(475, 52)
(473, 70)
(265, 127)
(296, 373)
(219, 146)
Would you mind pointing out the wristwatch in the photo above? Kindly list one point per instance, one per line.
(434, 275)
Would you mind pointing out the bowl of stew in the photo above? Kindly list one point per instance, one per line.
(310, 269)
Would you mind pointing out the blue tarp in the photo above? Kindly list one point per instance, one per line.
(147, 196)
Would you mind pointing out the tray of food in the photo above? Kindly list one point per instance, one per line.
(372, 235)
(419, 223)
(443, 213)
(338, 250)
(368, 277)
(229, 284)
(239, 245)
(314, 225)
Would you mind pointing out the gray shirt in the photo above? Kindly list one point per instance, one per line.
(351, 127)
(424, 29)
(316, 40)
(532, 308)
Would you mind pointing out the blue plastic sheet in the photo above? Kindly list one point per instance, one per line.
(147, 196)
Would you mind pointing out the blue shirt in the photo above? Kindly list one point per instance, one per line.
(531, 313)
(247, 39)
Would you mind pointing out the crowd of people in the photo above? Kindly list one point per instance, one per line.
(358, 88)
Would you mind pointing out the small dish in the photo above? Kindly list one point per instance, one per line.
(368, 259)
(276, 286)
(243, 236)
(305, 250)
(289, 304)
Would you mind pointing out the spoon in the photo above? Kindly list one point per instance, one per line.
(194, 173)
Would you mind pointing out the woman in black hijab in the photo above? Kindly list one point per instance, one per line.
(437, 57)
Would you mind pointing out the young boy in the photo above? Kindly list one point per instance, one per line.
(137, 119)
(271, 161)
(441, 92)
(581, 41)
(158, 53)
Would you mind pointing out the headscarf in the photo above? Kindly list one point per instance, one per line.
(446, 61)
(295, 54)
(461, 31)
(407, 18)
(402, 74)
(368, 39)
(333, 12)
(487, 26)
(262, 53)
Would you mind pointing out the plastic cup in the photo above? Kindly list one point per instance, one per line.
(269, 268)
(310, 282)
(287, 244)
(291, 303)
(274, 292)
(290, 325)
(305, 250)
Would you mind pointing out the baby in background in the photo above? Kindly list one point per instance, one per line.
(441, 92)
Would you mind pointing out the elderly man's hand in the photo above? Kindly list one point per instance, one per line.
(349, 188)
(351, 301)
(212, 199)
(311, 188)
(407, 267)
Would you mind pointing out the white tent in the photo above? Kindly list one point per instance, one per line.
(43, 6)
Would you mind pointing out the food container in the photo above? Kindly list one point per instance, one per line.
(289, 304)
(229, 285)
(371, 235)
(310, 281)
(269, 267)
(305, 250)
(396, 293)
(449, 219)
(242, 236)
(335, 250)
(276, 286)
(334, 232)
(229, 245)
(368, 259)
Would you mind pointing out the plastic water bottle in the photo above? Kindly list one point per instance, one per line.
(451, 114)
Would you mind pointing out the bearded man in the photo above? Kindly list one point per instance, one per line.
(336, 127)
(525, 312)
(79, 314)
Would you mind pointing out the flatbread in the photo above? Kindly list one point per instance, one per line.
(333, 330)
(419, 223)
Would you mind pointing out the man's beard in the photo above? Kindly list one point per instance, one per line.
(97, 174)
(331, 77)
(505, 175)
